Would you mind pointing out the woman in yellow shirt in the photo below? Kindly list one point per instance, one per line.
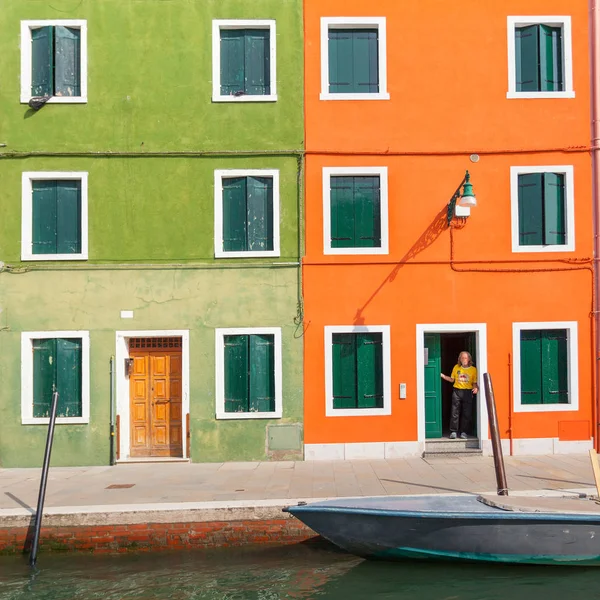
(464, 378)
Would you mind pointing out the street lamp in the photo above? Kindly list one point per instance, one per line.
(461, 203)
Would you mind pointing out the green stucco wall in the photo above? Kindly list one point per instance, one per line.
(196, 299)
(151, 213)
(150, 79)
(149, 209)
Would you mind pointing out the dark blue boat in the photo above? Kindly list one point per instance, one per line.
(460, 528)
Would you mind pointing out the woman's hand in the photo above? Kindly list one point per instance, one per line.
(475, 388)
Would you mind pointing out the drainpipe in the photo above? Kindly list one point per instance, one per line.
(595, 66)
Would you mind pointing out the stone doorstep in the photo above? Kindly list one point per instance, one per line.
(457, 445)
(447, 448)
(446, 454)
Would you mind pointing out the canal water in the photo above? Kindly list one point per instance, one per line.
(303, 571)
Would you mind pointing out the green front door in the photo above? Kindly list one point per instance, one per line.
(433, 387)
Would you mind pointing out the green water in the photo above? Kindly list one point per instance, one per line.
(295, 572)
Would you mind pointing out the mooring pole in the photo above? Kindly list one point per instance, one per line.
(495, 433)
(112, 411)
(44, 480)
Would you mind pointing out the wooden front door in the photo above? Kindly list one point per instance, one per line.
(155, 397)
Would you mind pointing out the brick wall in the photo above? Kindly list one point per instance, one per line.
(156, 536)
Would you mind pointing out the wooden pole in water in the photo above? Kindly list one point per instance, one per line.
(495, 433)
(596, 469)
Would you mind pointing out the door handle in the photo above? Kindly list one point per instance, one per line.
(162, 401)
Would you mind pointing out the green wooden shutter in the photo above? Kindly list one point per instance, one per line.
(341, 68)
(236, 373)
(554, 209)
(68, 217)
(67, 59)
(369, 359)
(531, 367)
(527, 58)
(262, 373)
(555, 374)
(531, 221)
(367, 206)
(365, 61)
(344, 370)
(232, 61)
(42, 61)
(342, 212)
(260, 213)
(44, 358)
(44, 209)
(234, 214)
(257, 63)
(68, 377)
(551, 59)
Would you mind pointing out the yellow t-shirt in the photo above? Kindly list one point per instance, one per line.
(464, 377)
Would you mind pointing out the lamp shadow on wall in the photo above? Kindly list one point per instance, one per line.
(426, 239)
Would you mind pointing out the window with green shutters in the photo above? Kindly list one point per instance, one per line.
(542, 209)
(353, 61)
(539, 58)
(57, 366)
(249, 373)
(245, 62)
(56, 212)
(357, 365)
(544, 366)
(353, 58)
(355, 204)
(246, 213)
(55, 61)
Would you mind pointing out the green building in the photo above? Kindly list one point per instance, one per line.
(150, 239)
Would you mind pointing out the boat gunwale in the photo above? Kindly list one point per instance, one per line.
(493, 514)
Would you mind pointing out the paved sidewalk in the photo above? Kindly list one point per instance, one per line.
(264, 482)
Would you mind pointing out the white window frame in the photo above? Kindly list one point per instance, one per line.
(26, 59)
(354, 23)
(565, 21)
(230, 173)
(220, 334)
(571, 327)
(387, 370)
(567, 171)
(27, 338)
(217, 26)
(27, 213)
(328, 173)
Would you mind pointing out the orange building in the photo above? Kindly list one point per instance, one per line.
(401, 99)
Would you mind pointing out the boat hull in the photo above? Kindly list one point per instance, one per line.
(464, 531)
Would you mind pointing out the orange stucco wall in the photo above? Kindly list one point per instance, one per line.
(447, 71)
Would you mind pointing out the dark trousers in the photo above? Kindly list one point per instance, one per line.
(462, 407)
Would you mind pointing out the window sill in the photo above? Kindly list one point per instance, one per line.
(59, 421)
(59, 99)
(249, 254)
(244, 98)
(542, 408)
(377, 96)
(565, 248)
(539, 95)
(355, 251)
(256, 415)
(358, 412)
(40, 257)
